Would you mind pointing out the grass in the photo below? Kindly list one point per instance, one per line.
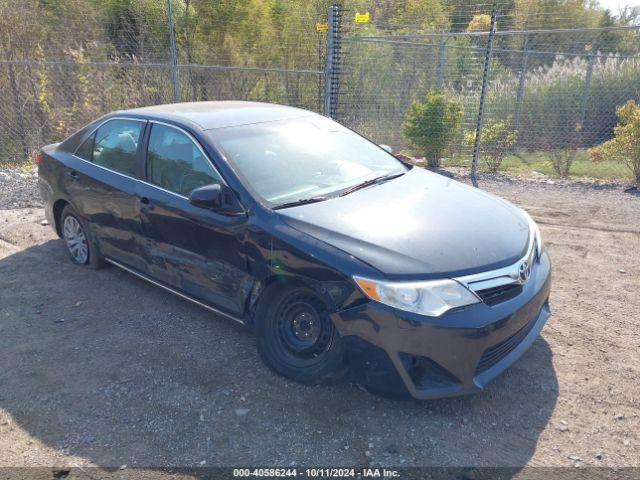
(524, 164)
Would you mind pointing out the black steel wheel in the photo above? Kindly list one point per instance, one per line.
(296, 337)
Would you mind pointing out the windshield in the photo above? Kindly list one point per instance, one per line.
(293, 160)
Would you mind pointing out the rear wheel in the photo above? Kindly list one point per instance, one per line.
(296, 337)
(82, 250)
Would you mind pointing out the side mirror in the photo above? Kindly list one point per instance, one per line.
(218, 198)
(209, 196)
(386, 148)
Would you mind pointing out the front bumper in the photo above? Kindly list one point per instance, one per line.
(400, 354)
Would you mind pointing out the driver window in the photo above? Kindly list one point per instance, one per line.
(175, 163)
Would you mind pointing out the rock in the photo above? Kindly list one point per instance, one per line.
(391, 450)
(241, 412)
(575, 458)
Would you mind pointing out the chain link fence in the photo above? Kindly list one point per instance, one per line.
(63, 65)
(550, 95)
(553, 93)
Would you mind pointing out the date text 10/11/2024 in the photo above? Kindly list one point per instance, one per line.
(315, 473)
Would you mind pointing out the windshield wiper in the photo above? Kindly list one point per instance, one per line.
(373, 181)
(302, 201)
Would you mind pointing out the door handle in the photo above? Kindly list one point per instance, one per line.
(75, 175)
(145, 204)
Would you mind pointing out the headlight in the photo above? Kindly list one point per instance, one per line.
(535, 231)
(431, 298)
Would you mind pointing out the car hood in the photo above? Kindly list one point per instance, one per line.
(419, 225)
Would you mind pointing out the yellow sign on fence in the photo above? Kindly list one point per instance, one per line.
(322, 27)
(362, 17)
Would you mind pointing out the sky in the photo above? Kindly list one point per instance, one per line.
(614, 5)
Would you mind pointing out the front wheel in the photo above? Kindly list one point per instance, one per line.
(296, 337)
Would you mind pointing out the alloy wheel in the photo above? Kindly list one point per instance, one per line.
(75, 239)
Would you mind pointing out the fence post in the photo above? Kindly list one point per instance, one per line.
(332, 64)
(521, 82)
(483, 93)
(441, 59)
(585, 95)
(175, 72)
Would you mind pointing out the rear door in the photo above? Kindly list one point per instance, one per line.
(102, 180)
(195, 250)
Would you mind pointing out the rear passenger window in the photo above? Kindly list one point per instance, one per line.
(116, 144)
(175, 163)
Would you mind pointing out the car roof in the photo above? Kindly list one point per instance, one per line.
(210, 115)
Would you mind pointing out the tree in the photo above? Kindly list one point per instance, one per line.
(625, 144)
(431, 125)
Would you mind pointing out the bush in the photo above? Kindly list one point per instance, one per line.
(496, 140)
(561, 160)
(625, 145)
(431, 125)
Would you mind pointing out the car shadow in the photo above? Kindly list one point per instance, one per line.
(106, 368)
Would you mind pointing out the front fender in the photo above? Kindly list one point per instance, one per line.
(287, 255)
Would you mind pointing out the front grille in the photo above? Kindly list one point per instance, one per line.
(495, 295)
(493, 355)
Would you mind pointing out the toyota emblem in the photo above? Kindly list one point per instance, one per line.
(524, 271)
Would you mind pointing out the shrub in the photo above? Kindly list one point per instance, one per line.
(625, 144)
(561, 160)
(432, 124)
(496, 140)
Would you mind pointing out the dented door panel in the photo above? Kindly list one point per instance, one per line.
(194, 250)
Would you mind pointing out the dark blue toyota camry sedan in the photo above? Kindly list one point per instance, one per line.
(345, 261)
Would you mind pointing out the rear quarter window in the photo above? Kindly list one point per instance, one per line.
(85, 150)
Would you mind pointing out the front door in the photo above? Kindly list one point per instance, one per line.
(192, 249)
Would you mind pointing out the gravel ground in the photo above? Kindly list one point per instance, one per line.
(18, 188)
(101, 369)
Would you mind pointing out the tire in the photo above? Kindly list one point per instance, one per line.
(75, 234)
(296, 337)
